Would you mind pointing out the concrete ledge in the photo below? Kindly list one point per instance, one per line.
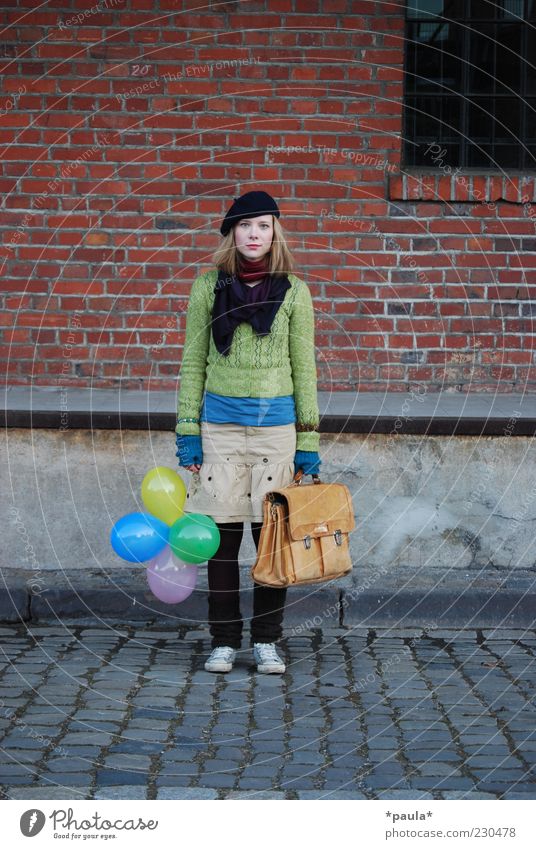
(91, 604)
(14, 604)
(468, 608)
(315, 606)
(109, 603)
(435, 414)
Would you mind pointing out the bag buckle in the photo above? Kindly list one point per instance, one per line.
(307, 541)
(338, 536)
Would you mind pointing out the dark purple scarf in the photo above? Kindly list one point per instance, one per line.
(235, 302)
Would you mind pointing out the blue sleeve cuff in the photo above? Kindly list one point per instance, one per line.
(189, 449)
(309, 461)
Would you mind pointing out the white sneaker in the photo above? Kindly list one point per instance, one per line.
(267, 659)
(221, 659)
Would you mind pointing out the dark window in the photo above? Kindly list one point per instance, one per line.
(470, 84)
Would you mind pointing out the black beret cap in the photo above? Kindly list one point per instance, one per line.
(250, 205)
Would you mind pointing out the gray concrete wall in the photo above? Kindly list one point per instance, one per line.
(434, 514)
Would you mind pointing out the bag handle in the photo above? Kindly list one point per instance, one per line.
(300, 474)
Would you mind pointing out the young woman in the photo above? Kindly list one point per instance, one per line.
(247, 409)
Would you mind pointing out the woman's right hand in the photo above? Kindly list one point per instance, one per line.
(193, 468)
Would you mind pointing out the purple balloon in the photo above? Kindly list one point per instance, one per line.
(169, 578)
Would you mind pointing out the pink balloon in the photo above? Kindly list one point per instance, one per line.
(169, 578)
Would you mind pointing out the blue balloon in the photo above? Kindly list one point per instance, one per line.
(138, 537)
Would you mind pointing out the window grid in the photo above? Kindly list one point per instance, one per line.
(509, 149)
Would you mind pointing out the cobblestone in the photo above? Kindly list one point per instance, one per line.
(359, 714)
(122, 791)
(189, 793)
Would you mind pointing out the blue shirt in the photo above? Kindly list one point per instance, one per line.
(248, 411)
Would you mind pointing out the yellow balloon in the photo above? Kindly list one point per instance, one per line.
(163, 492)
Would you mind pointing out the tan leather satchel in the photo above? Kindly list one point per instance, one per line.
(304, 536)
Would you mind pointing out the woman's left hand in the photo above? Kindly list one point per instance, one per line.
(309, 461)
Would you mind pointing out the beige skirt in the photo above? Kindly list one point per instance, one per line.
(241, 463)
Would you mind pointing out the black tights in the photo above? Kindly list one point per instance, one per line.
(224, 615)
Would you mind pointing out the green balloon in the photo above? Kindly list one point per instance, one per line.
(194, 537)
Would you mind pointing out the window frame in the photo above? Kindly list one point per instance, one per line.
(409, 100)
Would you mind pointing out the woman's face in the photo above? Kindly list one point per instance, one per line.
(253, 236)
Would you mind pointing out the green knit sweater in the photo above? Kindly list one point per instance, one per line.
(281, 363)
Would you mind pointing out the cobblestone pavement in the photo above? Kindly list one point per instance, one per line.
(128, 712)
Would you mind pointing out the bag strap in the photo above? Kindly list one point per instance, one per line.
(300, 474)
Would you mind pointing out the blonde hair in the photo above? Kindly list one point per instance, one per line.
(279, 255)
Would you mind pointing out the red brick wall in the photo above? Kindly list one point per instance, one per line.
(125, 132)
